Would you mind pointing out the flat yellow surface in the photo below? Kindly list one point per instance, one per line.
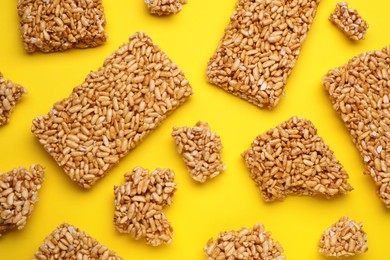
(231, 200)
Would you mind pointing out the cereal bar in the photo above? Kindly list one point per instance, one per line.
(293, 159)
(360, 93)
(344, 238)
(247, 243)
(18, 194)
(113, 110)
(57, 25)
(139, 203)
(165, 7)
(260, 48)
(69, 242)
(200, 149)
(349, 21)
(10, 94)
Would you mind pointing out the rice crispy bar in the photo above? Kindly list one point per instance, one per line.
(58, 25)
(200, 149)
(69, 242)
(139, 203)
(10, 94)
(349, 21)
(164, 7)
(252, 243)
(260, 47)
(18, 194)
(344, 238)
(360, 92)
(113, 110)
(293, 159)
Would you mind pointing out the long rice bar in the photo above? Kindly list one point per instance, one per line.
(349, 21)
(164, 7)
(18, 194)
(69, 242)
(10, 94)
(247, 243)
(113, 110)
(360, 93)
(139, 204)
(57, 25)
(200, 149)
(260, 47)
(293, 159)
(344, 238)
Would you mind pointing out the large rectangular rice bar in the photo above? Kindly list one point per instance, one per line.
(360, 93)
(260, 47)
(113, 110)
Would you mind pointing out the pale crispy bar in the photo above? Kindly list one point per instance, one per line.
(200, 149)
(293, 159)
(164, 7)
(260, 47)
(247, 243)
(58, 25)
(360, 92)
(344, 238)
(69, 242)
(113, 110)
(349, 21)
(139, 203)
(18, 194)
(10, 94)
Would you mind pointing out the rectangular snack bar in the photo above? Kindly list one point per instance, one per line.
(164, 7)
(113, 110)
(57, 25)
(260, 47)
(360, 93)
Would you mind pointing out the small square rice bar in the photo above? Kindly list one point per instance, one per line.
(139, 204)
(58, 25)
(200, 149)
(342, 239)
(164, 7)
(360, 93)
(260, 47)
(69, 242)
(293, 159)
(247, 243)
(18, 194)
(349, 21)
(113, 110)
(10, 94)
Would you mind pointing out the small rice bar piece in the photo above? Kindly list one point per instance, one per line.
(247, 243)
(18, 194)
(139, 203)
(293, 159)
(260, 47)
(57, 25)
(113, 110)
(165, 7)
(349, 21)
(344, 238)
(360, 93)
(69, 242)
(10, 94)
(200, 149)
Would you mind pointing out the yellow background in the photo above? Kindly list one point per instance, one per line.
(231, 200)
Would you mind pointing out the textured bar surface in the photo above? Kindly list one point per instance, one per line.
(58, 25)
(165, 7)
(360, 93)
(292, 159)
(69, 242)
(260, 48)
(113, 110)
